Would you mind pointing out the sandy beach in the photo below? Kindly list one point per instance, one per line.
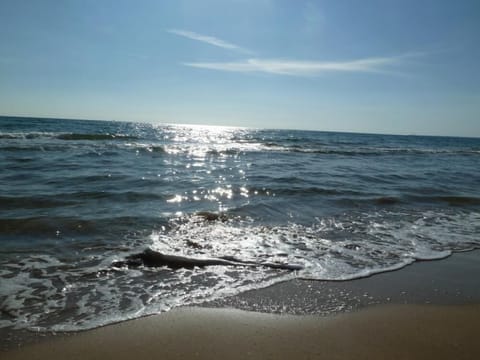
(429, 310)
(382, 332)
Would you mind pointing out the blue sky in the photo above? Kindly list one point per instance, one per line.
(405, 67)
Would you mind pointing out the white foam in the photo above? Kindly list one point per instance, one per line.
(42, 293)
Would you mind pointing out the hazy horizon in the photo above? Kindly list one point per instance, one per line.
(236, 126)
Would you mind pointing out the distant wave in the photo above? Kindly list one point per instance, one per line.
(67, 136)
(27, 135)
(95, 137)
(296, 190)
(225, 151)
(370, 151)
(411, 199)
(235, 148)
(347, 151)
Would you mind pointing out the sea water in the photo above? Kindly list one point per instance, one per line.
(76, 196)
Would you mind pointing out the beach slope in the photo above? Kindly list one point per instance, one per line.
(379, 332)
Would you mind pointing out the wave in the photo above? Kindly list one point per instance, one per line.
(156, 149)
(234, 149)
(27, 135)
(451, 200)
(356, 242)
(83, 149)
(355, 198)
(95, 137)
(32, 202)
(66, 136)
(298, 191)
(231, 151)
(53, 226)
(366, 151)
(410, 200)
(65, 199)
(123, 196)
(46, 226)
(336, 248)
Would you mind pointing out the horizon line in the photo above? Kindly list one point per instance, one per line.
(46, 117)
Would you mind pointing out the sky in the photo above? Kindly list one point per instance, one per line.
(376, 66)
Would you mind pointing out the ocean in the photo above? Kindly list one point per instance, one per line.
(78, 196)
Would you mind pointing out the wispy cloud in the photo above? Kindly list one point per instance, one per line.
(209, 40)
(305, 68)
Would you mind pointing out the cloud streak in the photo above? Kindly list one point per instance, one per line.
(303, 68)
(211, 40)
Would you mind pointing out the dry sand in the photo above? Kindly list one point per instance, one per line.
(378, 332)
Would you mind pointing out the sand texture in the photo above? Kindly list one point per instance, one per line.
(380, 332)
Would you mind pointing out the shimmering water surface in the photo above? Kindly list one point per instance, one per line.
(76, 196)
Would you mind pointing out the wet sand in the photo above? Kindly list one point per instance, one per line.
(429, 310)
(381, 332)
(451, 281)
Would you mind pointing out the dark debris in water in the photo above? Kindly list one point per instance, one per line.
(152, 258)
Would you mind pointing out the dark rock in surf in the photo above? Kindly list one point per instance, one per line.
(151, 258)
(211, 216)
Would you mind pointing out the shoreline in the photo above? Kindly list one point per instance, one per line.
(442, 289)
(449, 281)
(380, 332)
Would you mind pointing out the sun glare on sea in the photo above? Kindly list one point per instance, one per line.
(209, 152)
(207, 134)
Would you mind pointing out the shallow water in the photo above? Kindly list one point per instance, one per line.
(76, 196)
